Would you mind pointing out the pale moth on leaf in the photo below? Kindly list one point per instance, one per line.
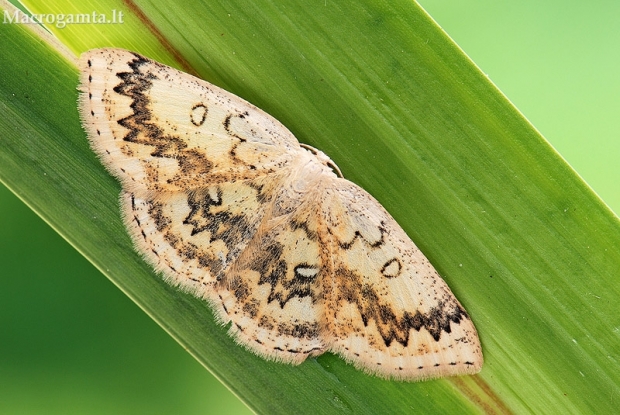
(224, 202)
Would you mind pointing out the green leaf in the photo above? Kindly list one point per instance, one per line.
(525, 245)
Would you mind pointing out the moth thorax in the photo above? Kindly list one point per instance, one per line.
(307, 173)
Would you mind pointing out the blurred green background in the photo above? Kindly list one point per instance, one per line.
(71, 342)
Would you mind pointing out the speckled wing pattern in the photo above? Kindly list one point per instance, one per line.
(226, 204)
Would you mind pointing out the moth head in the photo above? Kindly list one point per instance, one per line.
(322, 158)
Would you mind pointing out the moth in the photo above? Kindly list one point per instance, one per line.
(224, 202)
